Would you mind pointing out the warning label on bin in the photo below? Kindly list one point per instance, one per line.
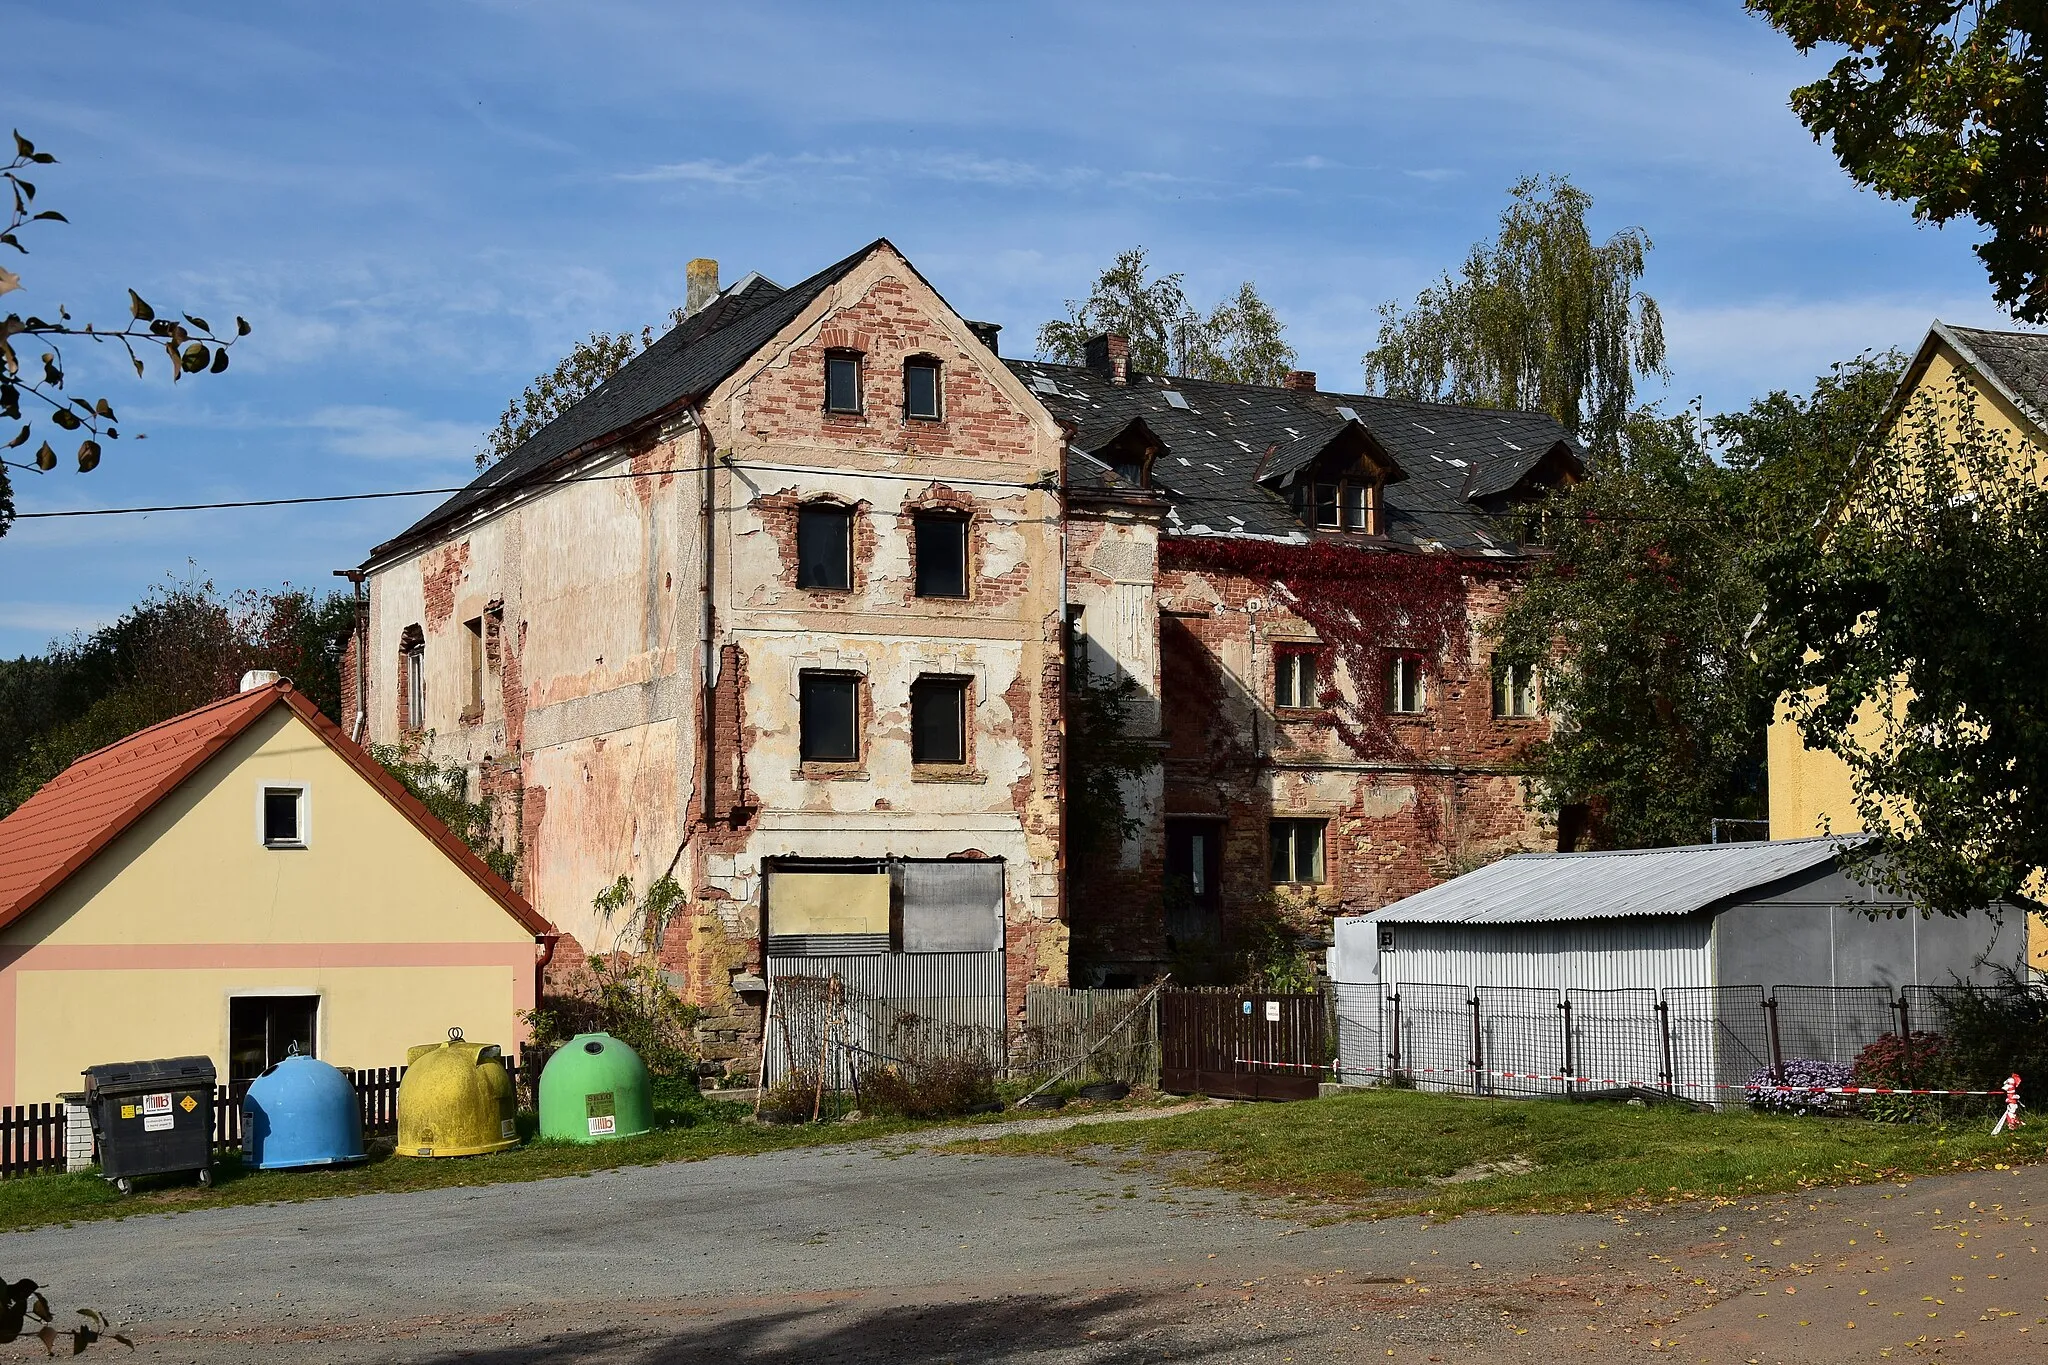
(603, 1125)
(188, 1104)
(156, 1123)
(127, 1111)
(157, 1104)
(508, 1129)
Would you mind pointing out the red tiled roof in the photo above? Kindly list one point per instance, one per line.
(88, 805)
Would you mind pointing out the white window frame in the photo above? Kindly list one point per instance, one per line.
(1288, 692)
(1407, 669)
(1514, 692)
(1294, 826)
(304, 792)
(416, 687)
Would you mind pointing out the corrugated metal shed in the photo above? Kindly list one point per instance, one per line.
(1546, 888)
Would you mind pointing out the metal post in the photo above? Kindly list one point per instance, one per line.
(1905, 1042)
(1477, 1059)
(1569, 1070)
(1394, 1036)
(1664, 1033)
(1777, 1048)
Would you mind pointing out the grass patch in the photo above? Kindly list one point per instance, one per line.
(708, 1129)
(1386, 1152)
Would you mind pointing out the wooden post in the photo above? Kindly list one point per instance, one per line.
(1777, 1048)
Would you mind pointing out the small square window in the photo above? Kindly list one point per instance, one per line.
(921, 389)
(1297, 851)
(1405, 693)
(938, 720)
(829, 717)
(1294, 678)
(824, 546)
(941, 544)
(1514, 690)
(842, 383)
(284, 817)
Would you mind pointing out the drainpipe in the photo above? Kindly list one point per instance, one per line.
(362, 637)
(1054, 484)
(708, 776)
(544, 945)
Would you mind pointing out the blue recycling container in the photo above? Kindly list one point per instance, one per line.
(301, 1112)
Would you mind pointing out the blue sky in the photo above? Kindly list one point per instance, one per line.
(418, 206)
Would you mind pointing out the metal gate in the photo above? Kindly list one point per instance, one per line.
(1239, 1046)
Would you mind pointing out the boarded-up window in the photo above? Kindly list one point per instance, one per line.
(953, 907)
(828, 912)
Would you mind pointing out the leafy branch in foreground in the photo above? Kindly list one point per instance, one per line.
(22, 1301)
(188, 342)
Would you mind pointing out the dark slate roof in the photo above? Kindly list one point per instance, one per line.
(2016, 360)
(1458, 461)
(686, 363)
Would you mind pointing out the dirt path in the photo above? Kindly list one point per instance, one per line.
(868, 1255)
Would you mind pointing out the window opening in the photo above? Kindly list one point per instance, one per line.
(1297, 847)
(941, 546)
(1294, 678)
(1194, 864)
(824, 546)
(1405, 690)
(828, 717)
(284, 817)
(1514, 689)
(416, 683)
(938, 720)
(921, 389)
(842, 383)
(1326, 505)
(263, 1030)
(473, 633)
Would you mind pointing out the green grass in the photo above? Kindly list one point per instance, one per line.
(707, 1129)
(1382, 1152)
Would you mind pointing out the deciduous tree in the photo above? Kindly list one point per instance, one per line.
(1542, 319)
(1240, 341)
(1942, 104)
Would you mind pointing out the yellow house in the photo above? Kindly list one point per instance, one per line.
(236, 881)
(2005, 375)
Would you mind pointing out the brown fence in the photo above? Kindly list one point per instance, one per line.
(1237, 1045)
(31, 1139)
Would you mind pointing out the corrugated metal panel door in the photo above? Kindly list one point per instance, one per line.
(953, 907)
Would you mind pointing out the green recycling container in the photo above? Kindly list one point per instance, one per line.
(594, 1087)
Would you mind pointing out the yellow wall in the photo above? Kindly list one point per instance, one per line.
(137, 954)
(1811, 791)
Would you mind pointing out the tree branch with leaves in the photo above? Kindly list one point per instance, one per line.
(38, 378)
(1240, 341)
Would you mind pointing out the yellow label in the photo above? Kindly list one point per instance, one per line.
(127, 1111)
(188, 1104)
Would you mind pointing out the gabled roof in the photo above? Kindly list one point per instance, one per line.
(1544, 888)
(2014, 363)
(1219, 435)
(1292, 457)
(83, 809)
(683, 365)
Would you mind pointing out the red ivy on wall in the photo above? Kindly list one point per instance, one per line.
(1367, 604)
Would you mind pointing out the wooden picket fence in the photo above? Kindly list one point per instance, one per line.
(32, 1135)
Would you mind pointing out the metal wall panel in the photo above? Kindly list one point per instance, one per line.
(1589, 955)
(899, 1004)
(952, 907)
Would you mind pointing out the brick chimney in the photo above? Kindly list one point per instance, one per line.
(702, 275)
(1109, 355)
(1302, 381)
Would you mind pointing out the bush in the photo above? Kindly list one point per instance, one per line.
(1918, 1062)
(931, 1087)
(1804, 1075)
(1993, 1031)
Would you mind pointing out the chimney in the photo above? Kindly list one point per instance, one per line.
(1109, 355)
(258, 678)
(703, 285)
(1302, 381)
(985, 333)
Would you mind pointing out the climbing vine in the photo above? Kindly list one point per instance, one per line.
(1367, 605)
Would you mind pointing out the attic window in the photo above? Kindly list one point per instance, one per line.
(281, 813)
(1340, 505)
(921, 388)
(842, 381)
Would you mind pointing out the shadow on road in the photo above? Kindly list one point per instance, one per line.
(1097, 1326)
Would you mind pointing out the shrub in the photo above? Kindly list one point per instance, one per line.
(931, 1087)
(1804, 1075)
(1920, 1061)
(1995, 1030)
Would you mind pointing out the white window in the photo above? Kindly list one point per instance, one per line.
(283, 815)
(1405, 693)
(1514, 690)
(1294, 678)
(1357, 505)
(416, 686)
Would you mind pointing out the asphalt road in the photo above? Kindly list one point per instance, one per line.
(866, 1254)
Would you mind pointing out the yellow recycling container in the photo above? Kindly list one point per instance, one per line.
(456, 1100)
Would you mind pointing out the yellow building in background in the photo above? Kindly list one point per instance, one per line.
(2007, 381)
(236, 882)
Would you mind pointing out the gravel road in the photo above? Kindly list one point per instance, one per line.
(877, 1253)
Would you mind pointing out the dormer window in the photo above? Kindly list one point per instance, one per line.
(921, 388)
(842, 381)
(1340, 505)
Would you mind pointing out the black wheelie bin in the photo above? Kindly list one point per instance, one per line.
(152, 1118)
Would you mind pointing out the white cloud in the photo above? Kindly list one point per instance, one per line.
(379, 433)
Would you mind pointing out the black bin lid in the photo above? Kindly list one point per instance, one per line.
(168, 1073)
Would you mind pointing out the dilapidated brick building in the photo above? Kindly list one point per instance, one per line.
(786, 609)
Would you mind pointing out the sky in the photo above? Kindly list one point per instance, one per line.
(420, 206)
